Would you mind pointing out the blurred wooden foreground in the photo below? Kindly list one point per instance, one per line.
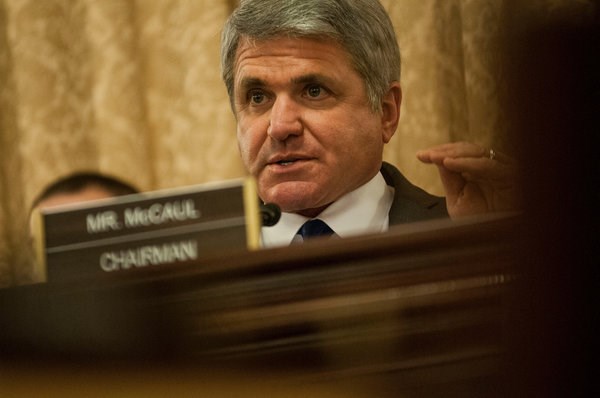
(420, 311)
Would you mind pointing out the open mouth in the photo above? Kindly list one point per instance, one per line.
(289, 160)
(286, 162)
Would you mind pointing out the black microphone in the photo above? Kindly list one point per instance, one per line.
(271, 213)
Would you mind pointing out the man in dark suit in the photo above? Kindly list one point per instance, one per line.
(314, 86)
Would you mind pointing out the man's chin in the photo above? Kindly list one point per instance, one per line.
(292, 197)
(306, 210)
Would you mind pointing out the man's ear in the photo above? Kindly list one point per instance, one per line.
(390, 111)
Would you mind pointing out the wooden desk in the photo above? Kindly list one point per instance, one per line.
(418, 311)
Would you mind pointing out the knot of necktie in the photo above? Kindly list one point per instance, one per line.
(313, 228)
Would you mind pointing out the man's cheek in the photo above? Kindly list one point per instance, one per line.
(243, 149)
(249, 154)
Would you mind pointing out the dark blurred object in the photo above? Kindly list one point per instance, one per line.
(270, 213)
(416, 312)
(554, 90)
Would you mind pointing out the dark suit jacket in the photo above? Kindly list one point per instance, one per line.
(411, 203)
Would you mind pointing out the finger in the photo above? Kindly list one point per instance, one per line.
(469, 150)
(481, 168)
(437, 154)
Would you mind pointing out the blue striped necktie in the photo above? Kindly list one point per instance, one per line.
(314, 228)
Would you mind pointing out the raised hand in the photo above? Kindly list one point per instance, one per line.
(476, 180)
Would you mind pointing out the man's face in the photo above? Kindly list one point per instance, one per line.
(305, 128)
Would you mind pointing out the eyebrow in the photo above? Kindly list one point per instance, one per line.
(309, 78)
(254, 82)
(248, 82)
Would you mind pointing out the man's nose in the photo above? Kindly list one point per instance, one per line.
(284, 119)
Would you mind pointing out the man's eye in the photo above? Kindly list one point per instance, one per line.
(314, 91)
(256, 97)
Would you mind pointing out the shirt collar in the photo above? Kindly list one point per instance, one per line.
(362, 211)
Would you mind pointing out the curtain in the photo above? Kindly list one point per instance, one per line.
(132, 88)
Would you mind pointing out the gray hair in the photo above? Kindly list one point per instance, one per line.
(362, 27)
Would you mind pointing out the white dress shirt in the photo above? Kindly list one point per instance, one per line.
(362, 211)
